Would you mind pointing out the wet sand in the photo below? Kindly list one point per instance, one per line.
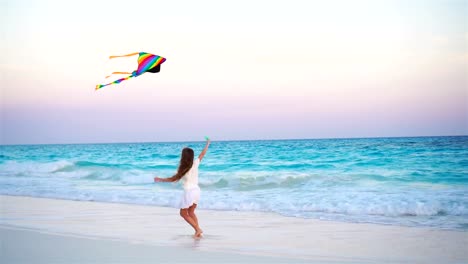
(39, 230)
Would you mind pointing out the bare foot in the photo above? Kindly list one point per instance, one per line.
(198, 233)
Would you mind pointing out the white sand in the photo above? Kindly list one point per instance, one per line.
(22, 246)
(140, 234)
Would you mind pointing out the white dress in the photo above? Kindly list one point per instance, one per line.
(191, 193)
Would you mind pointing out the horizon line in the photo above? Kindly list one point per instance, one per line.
(231, 140)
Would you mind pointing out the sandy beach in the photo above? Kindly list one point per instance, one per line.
(63, 231)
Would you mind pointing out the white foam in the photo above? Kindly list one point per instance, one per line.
(29, 167)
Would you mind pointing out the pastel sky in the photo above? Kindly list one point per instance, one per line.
(235, 70)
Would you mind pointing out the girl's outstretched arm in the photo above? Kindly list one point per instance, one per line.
(202, 154)
(171, 179)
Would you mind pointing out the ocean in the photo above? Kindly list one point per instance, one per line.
(414, 181)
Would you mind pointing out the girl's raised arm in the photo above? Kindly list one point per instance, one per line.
(202, 154)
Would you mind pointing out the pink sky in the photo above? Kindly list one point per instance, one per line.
(248, 70)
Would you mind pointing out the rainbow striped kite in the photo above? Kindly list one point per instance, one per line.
(146, 63)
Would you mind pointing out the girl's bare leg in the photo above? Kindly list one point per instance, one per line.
(184, 213)
(191, 212)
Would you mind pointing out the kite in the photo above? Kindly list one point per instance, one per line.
(147, 62)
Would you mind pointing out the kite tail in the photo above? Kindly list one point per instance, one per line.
(128, 55)
(99, 86)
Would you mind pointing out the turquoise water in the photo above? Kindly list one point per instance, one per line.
(398, 181)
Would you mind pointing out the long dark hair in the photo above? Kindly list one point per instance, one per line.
(185, 164)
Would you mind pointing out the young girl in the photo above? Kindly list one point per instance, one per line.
(188, 173)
